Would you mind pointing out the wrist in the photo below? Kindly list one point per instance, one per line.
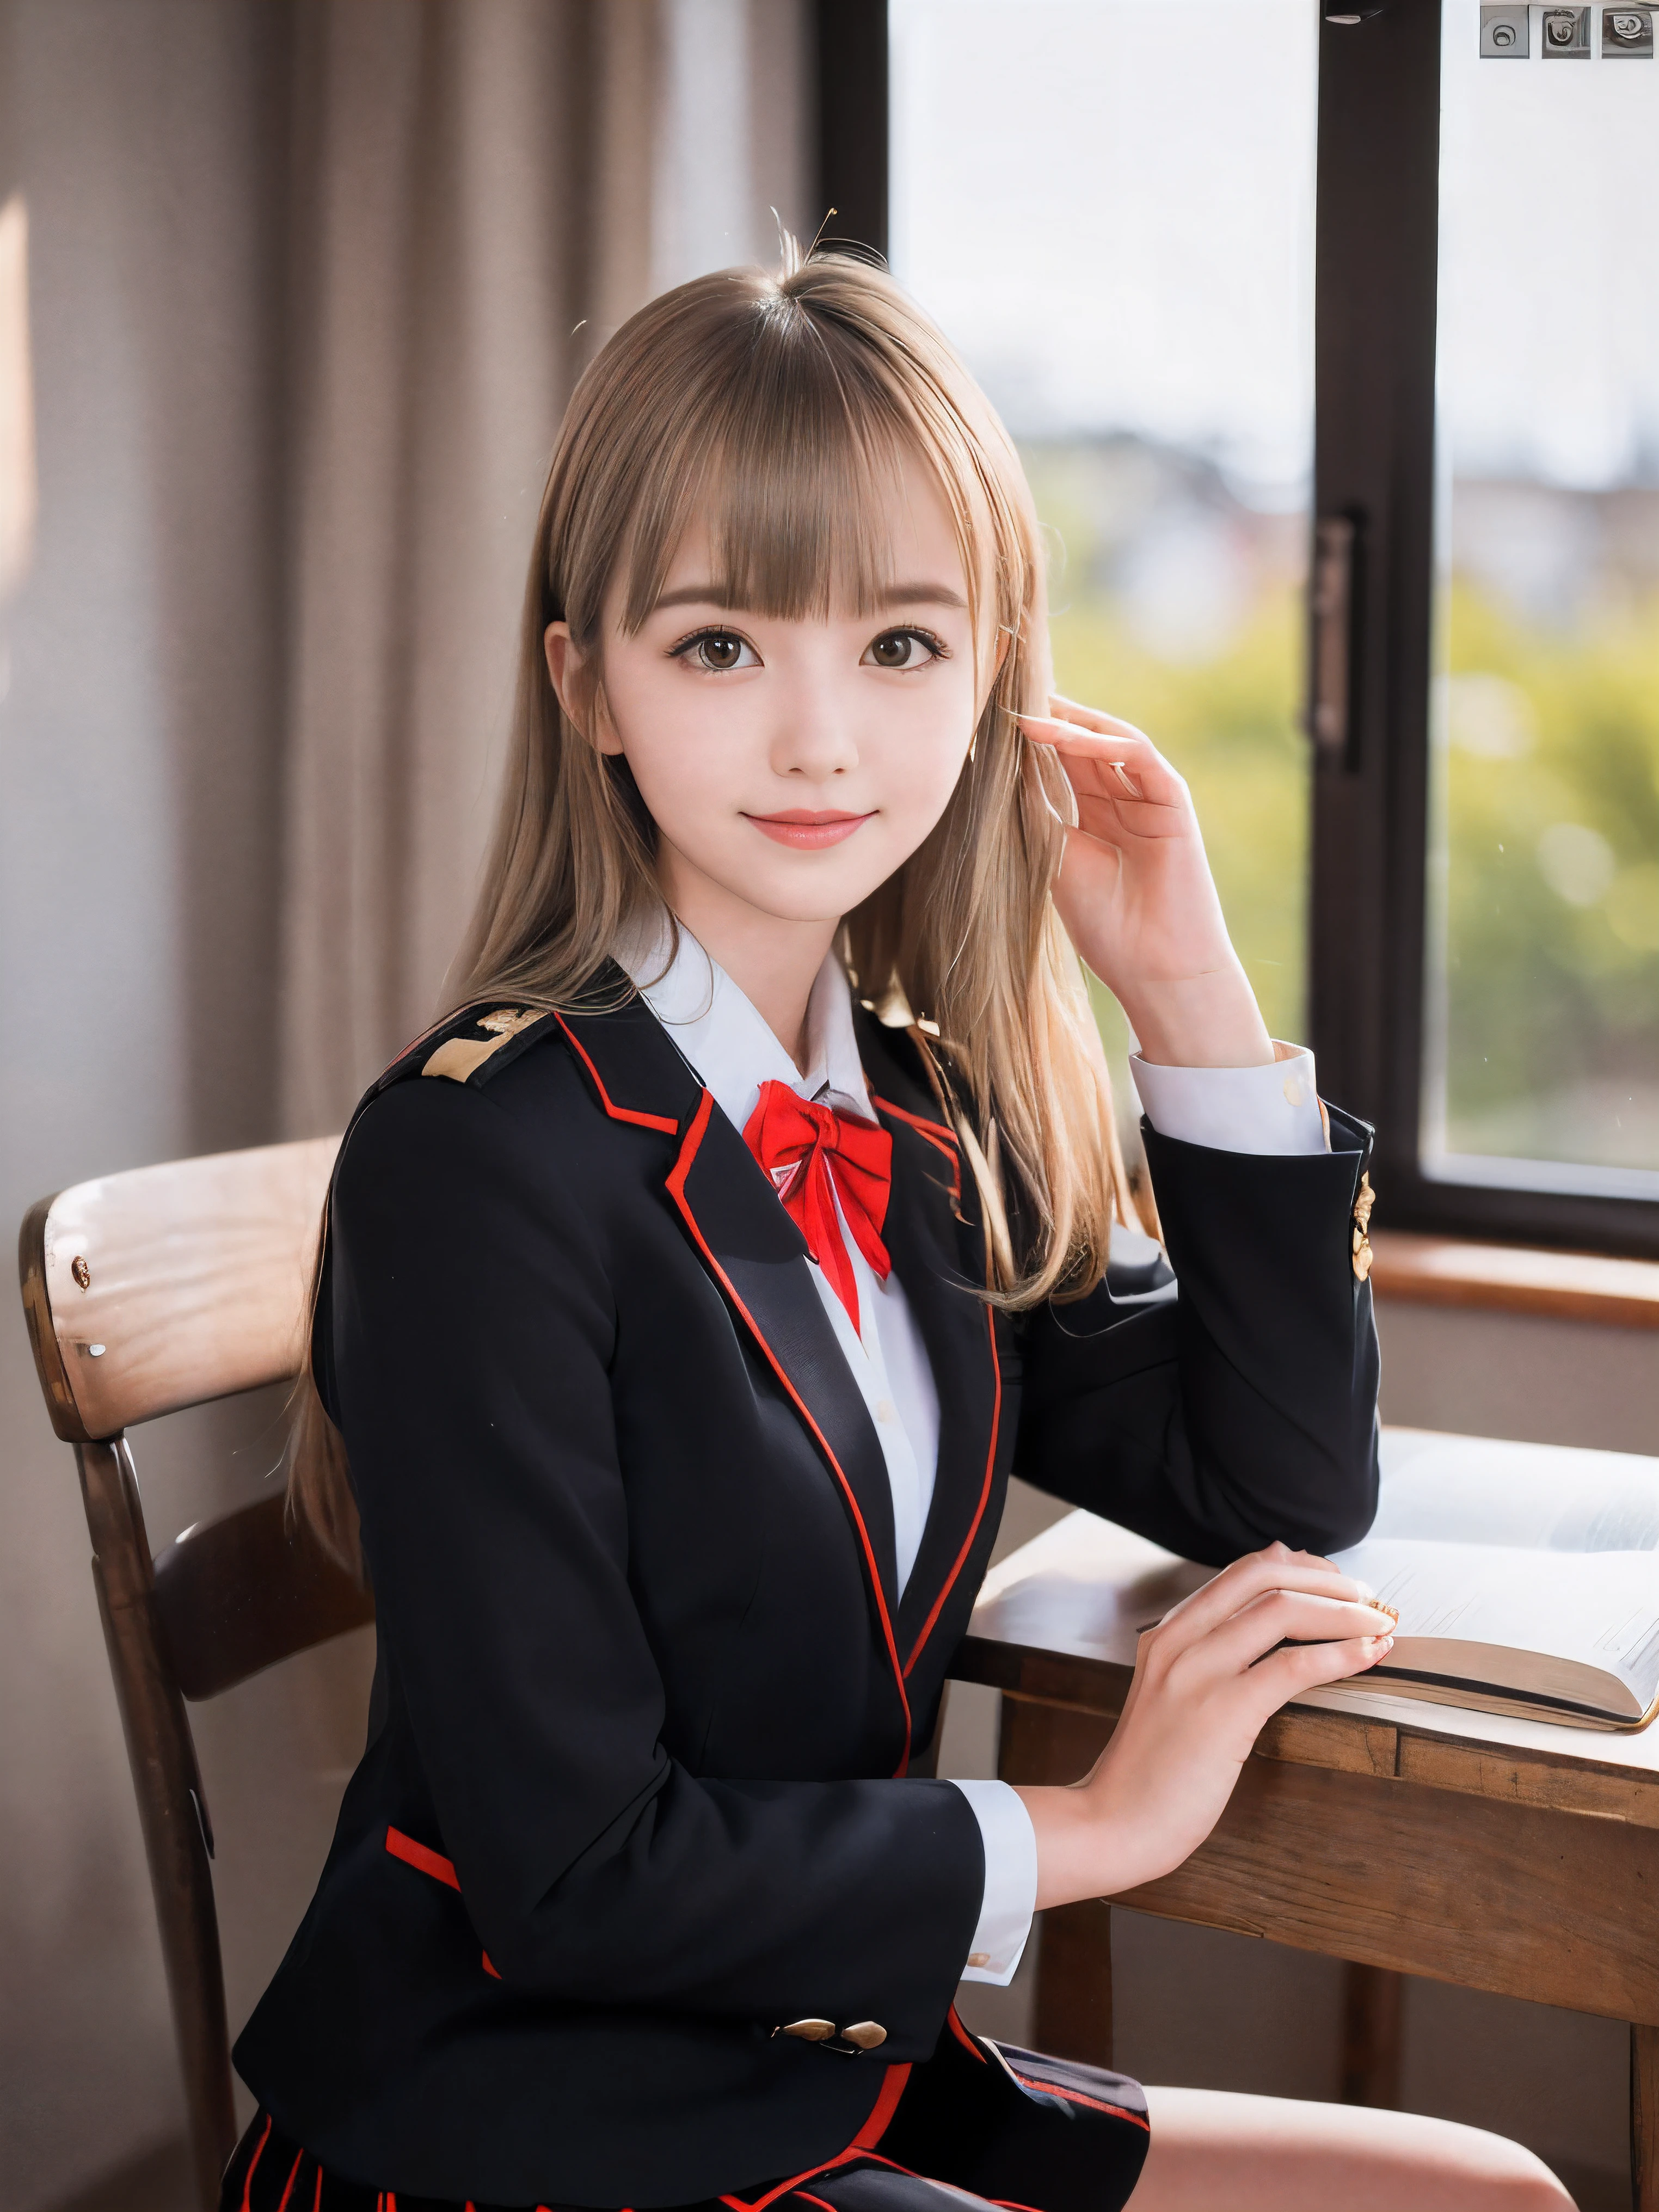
(1199, 1021)
(1074, 1851)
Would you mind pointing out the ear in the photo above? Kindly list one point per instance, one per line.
(566, 664)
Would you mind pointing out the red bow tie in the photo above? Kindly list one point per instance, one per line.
(814, 1157)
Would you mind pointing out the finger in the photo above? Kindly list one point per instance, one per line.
(1301, 1666)
(1055, 730)
(1282, 1616)
(1091, 718)
(1133, 747)
(1104, 764)
(1276, 1568)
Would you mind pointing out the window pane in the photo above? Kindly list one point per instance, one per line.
(1114, 223)
(1543, 1044)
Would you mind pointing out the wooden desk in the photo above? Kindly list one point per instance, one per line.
(1517, 1855)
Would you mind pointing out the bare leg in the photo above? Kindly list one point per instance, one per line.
(1210, 2148)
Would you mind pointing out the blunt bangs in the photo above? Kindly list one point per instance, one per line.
(787, 445)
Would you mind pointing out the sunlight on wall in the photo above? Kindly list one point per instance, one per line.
(17, 481)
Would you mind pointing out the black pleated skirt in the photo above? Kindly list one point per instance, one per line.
(1007, 2127)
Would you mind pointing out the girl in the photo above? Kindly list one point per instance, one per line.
(689, 1296)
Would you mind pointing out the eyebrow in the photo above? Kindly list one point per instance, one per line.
(931, 594)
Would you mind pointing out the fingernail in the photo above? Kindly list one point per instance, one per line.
(1366, 1593)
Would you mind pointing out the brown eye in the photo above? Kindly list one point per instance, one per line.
(719, 649)
(899, 649)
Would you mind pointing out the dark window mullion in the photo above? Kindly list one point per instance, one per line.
(1374, 464)
(850, 48)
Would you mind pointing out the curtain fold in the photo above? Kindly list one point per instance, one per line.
(472, 204)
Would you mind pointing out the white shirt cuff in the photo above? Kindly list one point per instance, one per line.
(1011, 1882)
(1272, 1108)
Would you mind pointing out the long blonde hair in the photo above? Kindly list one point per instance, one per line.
(774, 407)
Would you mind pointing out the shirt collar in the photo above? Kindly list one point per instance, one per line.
(727, 1041)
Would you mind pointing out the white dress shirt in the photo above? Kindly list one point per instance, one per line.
(733, 1052)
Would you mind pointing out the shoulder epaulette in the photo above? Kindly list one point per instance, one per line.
(470, 1045)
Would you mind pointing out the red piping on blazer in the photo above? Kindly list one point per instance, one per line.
(440, 1869)
(682, 1168)
(424, 1860)
(953, 2022)
(617, 1112)
(984, 1495)
(883, 2110)
(932, 1133)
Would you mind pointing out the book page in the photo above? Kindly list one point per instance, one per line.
(1546, 1498)
(1598, 1610)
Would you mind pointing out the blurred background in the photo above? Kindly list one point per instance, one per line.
(1130, 270)
(292, 293)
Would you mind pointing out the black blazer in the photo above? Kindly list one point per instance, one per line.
(631, 1801)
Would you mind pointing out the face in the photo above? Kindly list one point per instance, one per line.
(792, 766)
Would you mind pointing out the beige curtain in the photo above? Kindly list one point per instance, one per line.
(484, 190)
(473, 189)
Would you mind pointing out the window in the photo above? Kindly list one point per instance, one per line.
(1116, 227)
(1541, 1012)
(1485, 945)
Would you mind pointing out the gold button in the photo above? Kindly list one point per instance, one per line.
(866, 2034)
(1365, 1199)
(979, 1957)
(812, 2031)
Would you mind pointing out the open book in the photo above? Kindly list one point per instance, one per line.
(1526, 1577)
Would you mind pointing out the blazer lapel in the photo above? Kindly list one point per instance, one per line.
(939, 1259)
(758, 1257)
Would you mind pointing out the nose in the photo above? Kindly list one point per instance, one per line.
(814, 738)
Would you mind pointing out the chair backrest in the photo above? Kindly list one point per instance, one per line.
(145, 1293)
(172, 1284)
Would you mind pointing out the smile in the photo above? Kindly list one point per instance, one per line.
(805, 830)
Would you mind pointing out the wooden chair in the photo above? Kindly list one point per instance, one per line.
(145, 1293)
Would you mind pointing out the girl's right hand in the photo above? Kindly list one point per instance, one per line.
(1206, 1678)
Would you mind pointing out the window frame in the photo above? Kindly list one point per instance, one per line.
(1378, 210)
(851, 112)
(1378, 188)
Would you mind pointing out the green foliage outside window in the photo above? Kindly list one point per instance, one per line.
(1545, 905)
(1550, 797)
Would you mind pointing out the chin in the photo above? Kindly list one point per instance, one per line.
(800, 892)
(804, 905)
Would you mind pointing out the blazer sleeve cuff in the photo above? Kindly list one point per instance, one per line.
(1011, 1882)
(1272, 1108)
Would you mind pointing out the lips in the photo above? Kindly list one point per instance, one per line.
(808, 832)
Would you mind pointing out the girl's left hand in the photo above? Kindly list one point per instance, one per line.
(1137, 899)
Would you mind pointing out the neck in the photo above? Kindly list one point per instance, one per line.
(773, 959)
